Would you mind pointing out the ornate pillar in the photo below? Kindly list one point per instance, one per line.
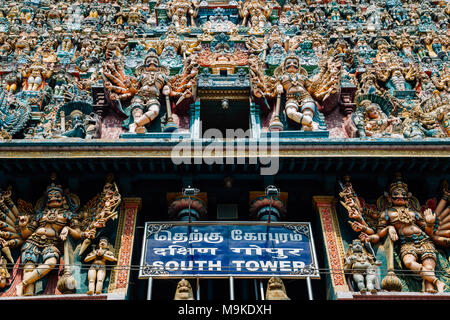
(120, 276)
(334, 247)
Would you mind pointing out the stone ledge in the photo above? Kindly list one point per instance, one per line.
(105, 296)
(392, 296)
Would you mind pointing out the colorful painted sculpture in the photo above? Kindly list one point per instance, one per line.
(362, 267)
(398, 218)
(39, 234)
(97, 272)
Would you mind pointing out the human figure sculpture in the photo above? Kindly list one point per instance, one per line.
(55, 220)
(256, 11)
(35, 76)
(300, 106)
(78, 125)
(402, 223)
(180, 10)
(40, 230)
(362, 266)
(371, 121)
(97, 272)
(144, 90)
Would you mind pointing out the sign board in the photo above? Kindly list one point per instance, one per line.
(224, 249)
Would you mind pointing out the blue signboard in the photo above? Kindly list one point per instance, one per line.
(223, 249)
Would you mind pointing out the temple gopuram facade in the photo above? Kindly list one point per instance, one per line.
(224, 150)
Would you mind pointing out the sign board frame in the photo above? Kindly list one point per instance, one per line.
(147, 271)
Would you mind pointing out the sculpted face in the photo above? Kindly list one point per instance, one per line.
(184, 291)
(399, 196)
(152, 63)
(291, 65)
(55, 199)
(103, 244)
(357, 246)
(372, 112)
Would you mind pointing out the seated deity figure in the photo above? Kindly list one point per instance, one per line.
(371, 121)
(300, 106)
(255, 10)
(35, 76)
(180, 10)
(144, 90)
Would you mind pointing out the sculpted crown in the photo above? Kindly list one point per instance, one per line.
(151, 54)
(54, 185)
(398, 183)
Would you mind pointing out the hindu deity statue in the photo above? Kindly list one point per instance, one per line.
(97, 272)
(300, 106)
(144, 90)
(362, 265)
(434, 46)
(35, 75)
(371, 121)
(275, 47)
(399, 218)
(170, 48)
(300, 90)
(397, 76)
(368, 83)
(179, 11)
(55, 220)
(383, 55)
(78, 126)
(255, 10)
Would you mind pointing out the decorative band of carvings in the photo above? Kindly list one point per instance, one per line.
(333, 241)
(124, 240)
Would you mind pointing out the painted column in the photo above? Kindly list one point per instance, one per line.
(334, 247)
(120, 277)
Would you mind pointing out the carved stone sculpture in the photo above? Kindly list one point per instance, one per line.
(276, 290)
(184, 291)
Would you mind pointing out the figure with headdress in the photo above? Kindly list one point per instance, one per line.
(180, 10)
(398, 217)
(78, 129)
(362, 266)
(257, 12)
(144, 90)
(41, 231)
(97, 272)
(299, 89)
(41, 234)
(371, 121)
(35, 75)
